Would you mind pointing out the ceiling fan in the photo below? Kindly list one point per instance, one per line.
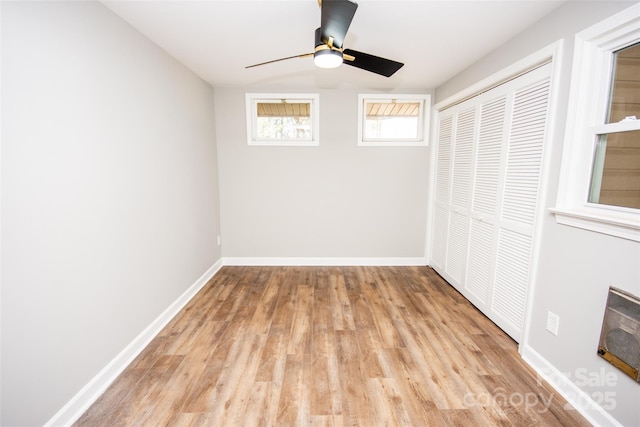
(336, 16)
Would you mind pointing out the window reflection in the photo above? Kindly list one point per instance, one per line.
(616, 172)
(625, 93)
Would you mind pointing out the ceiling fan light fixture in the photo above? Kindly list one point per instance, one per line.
(329, 52)
(327, 58)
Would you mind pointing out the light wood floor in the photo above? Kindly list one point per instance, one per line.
(329, 346)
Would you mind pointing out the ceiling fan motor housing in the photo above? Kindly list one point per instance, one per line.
(318, 37)
(324, 55)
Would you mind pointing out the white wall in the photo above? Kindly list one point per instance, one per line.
(575, 267)
(109, 195)
(336, 200)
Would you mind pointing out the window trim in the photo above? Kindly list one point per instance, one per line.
(423, 121)
(593, 69)
(252, 100)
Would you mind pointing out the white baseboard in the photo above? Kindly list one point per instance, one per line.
(574, 395)
(79, 403)
(66, 416)
(94, 389)
(322, 261)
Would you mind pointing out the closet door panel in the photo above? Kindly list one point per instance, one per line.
(511, 281)
(519, 205)
(440, 231)
(461, 170)
(463, 159)
(482, 234)
(524, 159)
(457, 247)
(443, 159)
(442, 193)
(487, 172)
(480, 261)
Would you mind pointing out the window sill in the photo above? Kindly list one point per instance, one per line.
(382, 143)
(624, 225)
(258, 143)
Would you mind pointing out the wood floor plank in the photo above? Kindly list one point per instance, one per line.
(216, 366)
(370, 350)
(383, 317)
(239, 391)
(445, 386)
(256, 404)
(329, 346)
(381, 408)
(320, 395)
(340, 304)
(151, 408)
(271, 357)
(325, 396)
(322, 308)
(265, 306)
(360, 309)
(300, 335)
(290, 403)
(326, 421)
(419, 403)
(283, 312)
(356, 405)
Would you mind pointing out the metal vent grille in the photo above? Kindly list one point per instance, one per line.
(620, 336)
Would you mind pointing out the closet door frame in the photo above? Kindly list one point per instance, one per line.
(550, 54)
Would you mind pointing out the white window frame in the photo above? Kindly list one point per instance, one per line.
(588, 105)
(423, 120)
(252, 100)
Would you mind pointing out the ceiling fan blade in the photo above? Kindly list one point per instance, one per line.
(375, 64)
(280, 59)
(336, 16)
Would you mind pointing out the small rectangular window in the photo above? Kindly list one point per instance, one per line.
(392, 120)
(282, 119)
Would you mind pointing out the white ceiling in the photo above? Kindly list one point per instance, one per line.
(435, 39)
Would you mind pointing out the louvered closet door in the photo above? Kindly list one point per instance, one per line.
(486, 184)
(489, 157)
(519, 205)
(461, 169)
(442, 193)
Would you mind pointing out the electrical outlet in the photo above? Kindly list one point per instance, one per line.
(218, 240)
(553, 323)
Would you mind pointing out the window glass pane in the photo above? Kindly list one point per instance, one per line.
(616, 170)
(625, 93)
(283, 121)
(392, 120)
(391, 127)
(284, 109)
